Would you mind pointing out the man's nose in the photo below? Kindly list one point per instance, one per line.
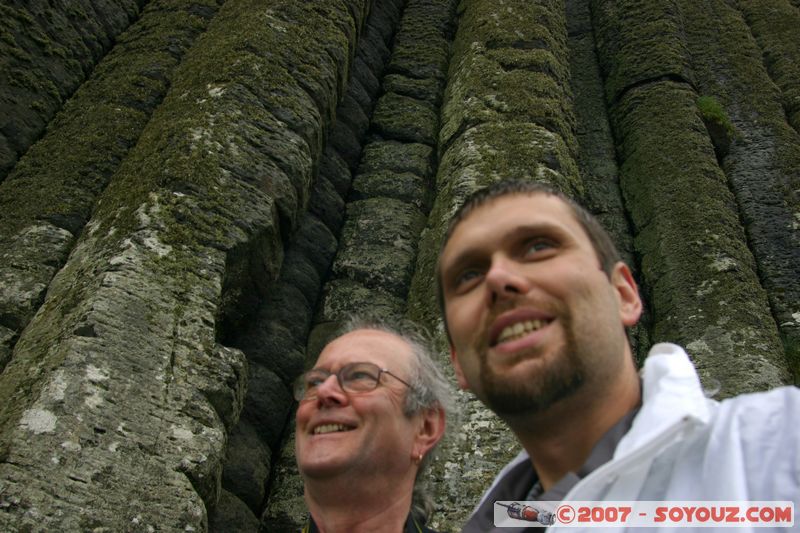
(330, 393)
(505, 280)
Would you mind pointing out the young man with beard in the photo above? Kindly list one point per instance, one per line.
(536, 302)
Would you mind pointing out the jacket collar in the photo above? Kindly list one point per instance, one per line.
(671, 394)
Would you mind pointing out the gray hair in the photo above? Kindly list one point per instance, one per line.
(429, 389)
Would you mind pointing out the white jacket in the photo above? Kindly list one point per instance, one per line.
(685, 447)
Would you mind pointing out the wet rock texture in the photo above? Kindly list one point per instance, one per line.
(195, 195)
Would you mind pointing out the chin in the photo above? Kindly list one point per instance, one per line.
(517, 366)
(321, 469)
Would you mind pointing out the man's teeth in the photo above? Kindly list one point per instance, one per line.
(520, 329)
(330, 428)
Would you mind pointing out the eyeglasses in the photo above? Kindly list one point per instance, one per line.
(353, 377)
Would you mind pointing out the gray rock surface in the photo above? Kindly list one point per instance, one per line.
(194, 195)
(232, 515)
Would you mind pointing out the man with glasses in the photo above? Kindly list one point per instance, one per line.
(371, 411)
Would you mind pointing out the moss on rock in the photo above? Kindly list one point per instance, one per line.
(55, 186)
(343, 298)
(734, 62)
(507, 66)
(188, 208)
(404, 186)
(717, 123)
(641, 40)
(774, 25)
(397, 157)
(378, 245)
(674, 187)
(427, 89)
(405, 119)
(47, 51)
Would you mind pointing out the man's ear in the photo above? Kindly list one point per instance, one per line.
(462, 382)
(430, 431)
(627, 292)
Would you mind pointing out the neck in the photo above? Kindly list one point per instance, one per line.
(347, 506)
(560, 439)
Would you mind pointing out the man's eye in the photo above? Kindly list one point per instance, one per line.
(466, 278)
(360, 375)
(536, 246)
(314, 380)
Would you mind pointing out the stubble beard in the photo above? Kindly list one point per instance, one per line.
(530, 394)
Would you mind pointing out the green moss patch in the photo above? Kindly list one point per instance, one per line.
(717, 123)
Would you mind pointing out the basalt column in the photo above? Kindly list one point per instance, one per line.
(744, 59)
(47, 51)
(117, 402)
(704, 289)
(597, 161)
(48, 198)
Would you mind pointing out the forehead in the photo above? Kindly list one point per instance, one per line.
(499, 216)
(366, 345)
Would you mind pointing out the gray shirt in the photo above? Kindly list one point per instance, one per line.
(522, 484)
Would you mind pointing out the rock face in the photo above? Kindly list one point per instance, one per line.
(194, 195)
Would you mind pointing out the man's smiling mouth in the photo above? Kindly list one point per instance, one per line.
(330, 428)
(519, 329)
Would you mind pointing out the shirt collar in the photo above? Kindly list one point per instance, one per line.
(411, 526)
(520, 483)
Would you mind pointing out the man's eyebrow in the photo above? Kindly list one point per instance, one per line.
(537, 227)
(473, 253)
(464, 257)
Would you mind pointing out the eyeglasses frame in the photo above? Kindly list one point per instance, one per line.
(300, 382)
